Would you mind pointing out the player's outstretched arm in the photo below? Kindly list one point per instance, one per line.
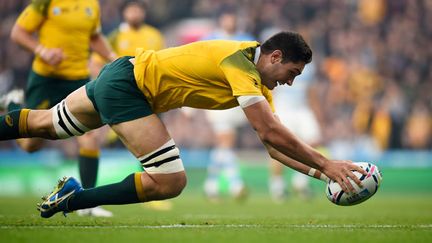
(272, 132)
(293, 164)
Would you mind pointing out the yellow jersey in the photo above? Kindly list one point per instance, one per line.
(65, 24)
(125, 40)
(205, 74)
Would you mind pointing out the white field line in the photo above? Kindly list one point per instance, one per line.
(191, 226)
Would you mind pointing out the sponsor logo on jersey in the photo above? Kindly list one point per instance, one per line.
(56, 10)
(89, 11)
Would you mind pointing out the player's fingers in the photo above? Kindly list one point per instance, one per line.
(348, 184)
(53, 61)
(56, 59)
(355, 178)
(59, 53)
(48, 57)
(342, 184)
(359, 169)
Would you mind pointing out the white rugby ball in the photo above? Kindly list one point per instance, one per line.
(370, 183)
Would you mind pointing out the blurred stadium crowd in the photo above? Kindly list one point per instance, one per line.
(372, 81)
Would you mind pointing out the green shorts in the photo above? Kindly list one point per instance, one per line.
(115, 94)
(45, 92)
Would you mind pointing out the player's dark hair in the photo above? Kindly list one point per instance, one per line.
(292, 45)
(139, 3)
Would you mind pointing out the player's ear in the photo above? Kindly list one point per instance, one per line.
(276, 56)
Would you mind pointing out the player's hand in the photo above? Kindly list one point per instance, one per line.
(51, 56)
(341, 171)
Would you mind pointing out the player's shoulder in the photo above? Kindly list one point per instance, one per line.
(231, 44)
(113, 36)
(41, 6)
(244, 50)
(150, 29)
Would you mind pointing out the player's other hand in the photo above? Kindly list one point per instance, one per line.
(341, 171)
(51, 56)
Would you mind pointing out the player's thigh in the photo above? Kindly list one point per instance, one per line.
(82, 108)
(143, 135)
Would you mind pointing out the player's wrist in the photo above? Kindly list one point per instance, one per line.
(318, 174)
(323, 177)
(112, 56)
(38, 49)
(321, 162)
(41, 51)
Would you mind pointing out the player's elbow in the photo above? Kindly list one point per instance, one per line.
(18, 34)
(267, 133)
(272, 152)
(14, 34)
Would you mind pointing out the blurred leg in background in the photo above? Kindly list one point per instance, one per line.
(223, 158)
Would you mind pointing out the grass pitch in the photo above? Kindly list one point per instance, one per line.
(384, 218)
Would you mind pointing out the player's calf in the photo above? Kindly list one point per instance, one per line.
(30, 145)
(25, 123)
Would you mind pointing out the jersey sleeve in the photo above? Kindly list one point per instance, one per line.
(33, 15)
(241, 75)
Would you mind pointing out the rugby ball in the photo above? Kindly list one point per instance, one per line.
(370, 183)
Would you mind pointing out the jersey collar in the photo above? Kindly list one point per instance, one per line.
(257, 54)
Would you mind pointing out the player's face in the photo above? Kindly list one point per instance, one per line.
(134, 15)
(274, 72)
(228, 23)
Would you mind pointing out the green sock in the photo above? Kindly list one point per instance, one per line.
(14, 124)
(14, 106)
(124, 192)
(88, 163)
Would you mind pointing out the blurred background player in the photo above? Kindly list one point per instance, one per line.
(223, 159)
(66, 30)
(132, 33)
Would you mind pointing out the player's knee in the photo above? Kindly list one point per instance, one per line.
(162, 186)
(175, 187)
(166, 160)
